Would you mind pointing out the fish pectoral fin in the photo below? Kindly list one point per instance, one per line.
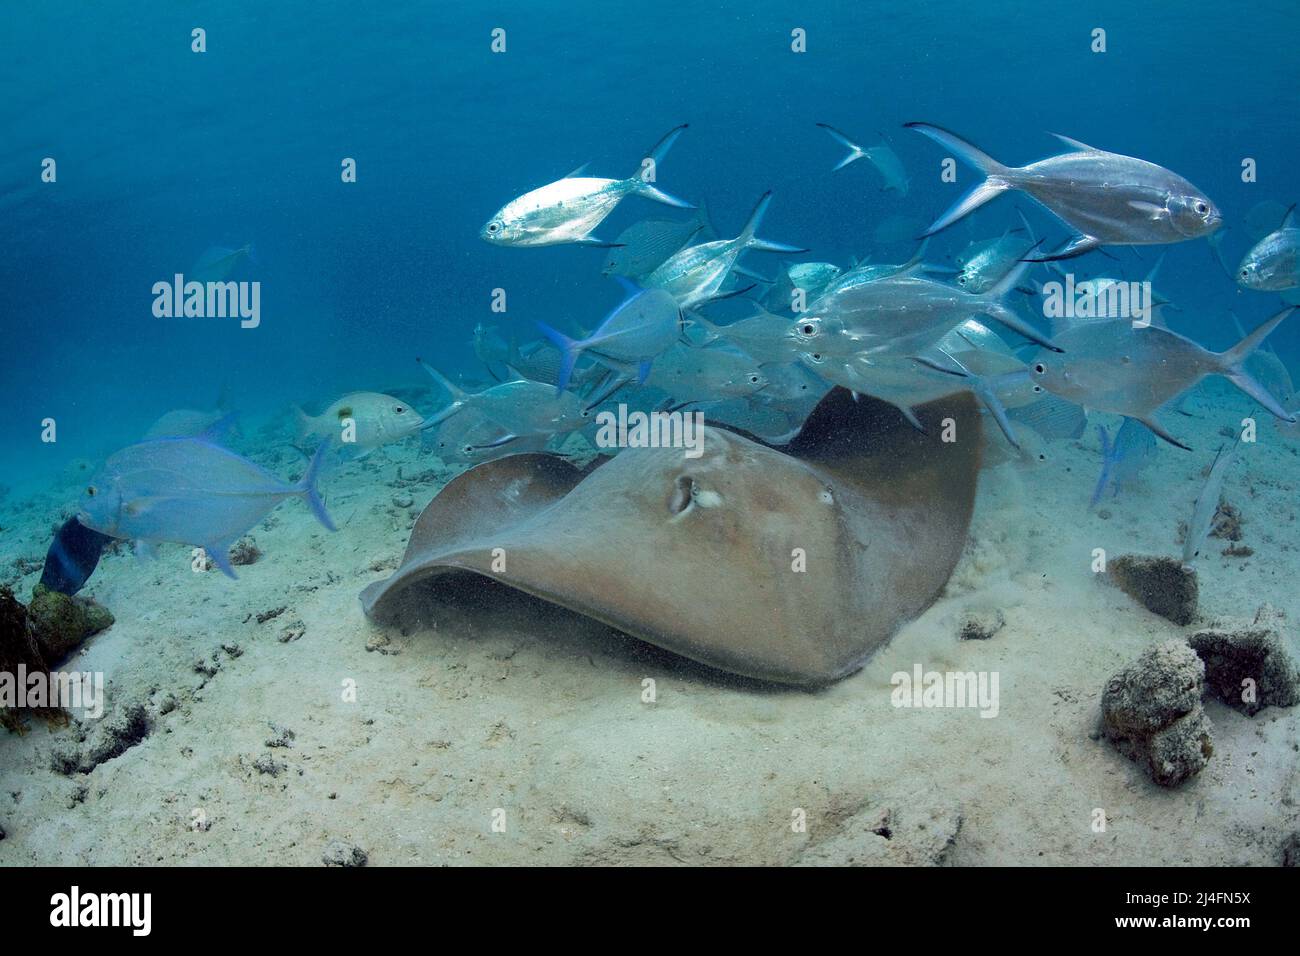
(1148, 208)
(1158, 430)
(1075, 247)
(599, 243)
(504, 440)
(1076, 145)
(219, 554)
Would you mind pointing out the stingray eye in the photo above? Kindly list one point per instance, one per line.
(1040, 369)
(91, 491)
(682, 495)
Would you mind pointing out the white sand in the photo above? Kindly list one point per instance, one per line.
(539, 713)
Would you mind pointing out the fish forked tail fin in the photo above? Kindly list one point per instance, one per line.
(982, 388)
(307, 487)
(748, 238)
(1232, 366)
(458, 397)
(639, 184)
(855, 153)
(997, 176)
(304, 426)
(569, 348)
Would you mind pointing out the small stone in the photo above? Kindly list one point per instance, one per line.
(245, 551)
(1248, 667)
(979, 624)
(292, 632)
(1162, 585)
(1151, 712)
(339, 853)
(280, 736)
(403, 500)
(1290, 849)
(275, 612)
(266, 764)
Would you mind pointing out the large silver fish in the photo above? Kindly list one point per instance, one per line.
(696, 274)
(868, 271)
(1115, 367)
(190, 491)
(884, 159)
(1273, 263)
(568, 209)
(761, 336)
(902, 314)
(1108, 198)
(644, 246)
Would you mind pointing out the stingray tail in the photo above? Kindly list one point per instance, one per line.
(307, 488)
(998, 178)
(1232, 366)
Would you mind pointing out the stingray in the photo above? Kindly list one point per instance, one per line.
(788, 564)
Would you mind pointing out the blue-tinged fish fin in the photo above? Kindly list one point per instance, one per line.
(651, 191)
(855, 152)
(1288, 220)
(1232, 366)
(455, 391)
(251, 252)
(1106, 462)
(505, 439)
(996, 174)
(219, 554)
(218, 430)
(643, 370)
(569, 348)
(1076, 246)
(307, 488)
(599, 243)
(578, 172)
(630, 286)
(1076, 145)
(661, 148)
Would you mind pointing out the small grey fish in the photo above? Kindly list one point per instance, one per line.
(489, 345)
(639, 329)
(761, 336)
(867, 271)
(884, 159)
(1273, 263)
(1052, 417)
(811, 278)
(644, 246)
(691, 374)
(568, 209)
(695, 274)
(1108, 198)
(524, 408)
(1207, 504)
(983, 263)
(218, 262)
(190, 491)
(1116, 367)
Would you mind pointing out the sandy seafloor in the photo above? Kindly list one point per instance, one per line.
(528, 709)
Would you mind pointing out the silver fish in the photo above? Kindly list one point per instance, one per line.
(692, 374)
(901, 314)
(218, 262)
(867, 271)
(1207, 504)
(810, 278)
(642, 327)
(360, 422)
(1123, 458)
(190, 491)
(696, 274)
(644, 246)
(568, 209)
(884, 159)
(1108, 198)
(524, 408)
(1114, 367)
(761, 336)
(1273, 263)
(983, 263)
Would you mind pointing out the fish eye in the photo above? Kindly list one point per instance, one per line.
(753, 380)
(494, 226)
(399, 410)
(808, 328)
(961, 280)
(1202, 208)
(1038, 389)
(1245, 273)
(91, 491)
(1040, 369)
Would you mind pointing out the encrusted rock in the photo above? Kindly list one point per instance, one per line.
(979, 624)
(61, 623)
(1162, 585)
(339, 853)
(1248, 667)
(1151, 712)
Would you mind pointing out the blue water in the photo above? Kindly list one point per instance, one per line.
(163, 152)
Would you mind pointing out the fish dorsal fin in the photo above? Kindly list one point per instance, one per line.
(577, 172)
(1288, 221)
(1077, 145)
(216, 432)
